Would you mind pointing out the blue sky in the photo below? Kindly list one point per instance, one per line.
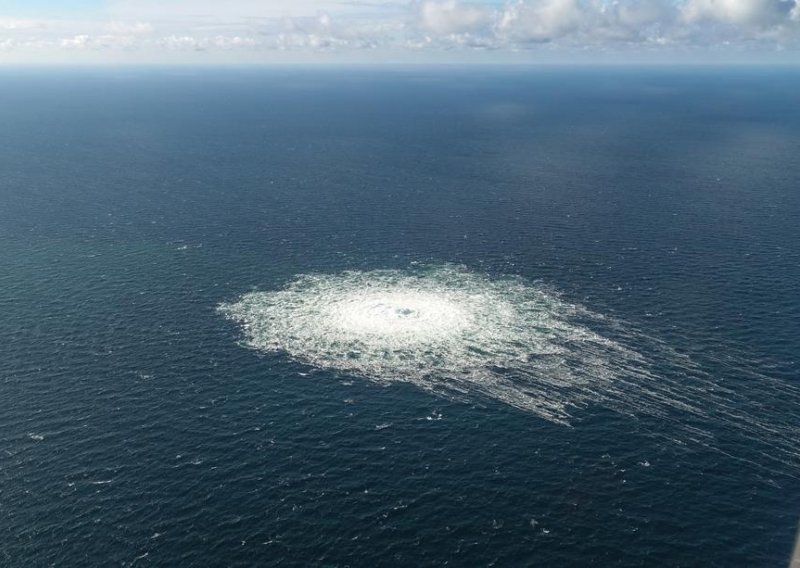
(51, 8)
(408, 31)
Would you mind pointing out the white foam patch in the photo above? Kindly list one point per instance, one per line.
(466, 336)
(446, 330)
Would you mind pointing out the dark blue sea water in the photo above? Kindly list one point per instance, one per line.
(137, 429)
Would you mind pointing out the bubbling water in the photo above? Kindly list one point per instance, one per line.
(445, 330)
(414, 316)
(466, 336)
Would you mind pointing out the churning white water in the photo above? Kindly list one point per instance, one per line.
(446, 330)
(467, 336)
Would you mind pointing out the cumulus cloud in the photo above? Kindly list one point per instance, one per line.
(597, 21)
(449, 17)
(542, 21)
(415, 26)
(130, 28)
(221, 42)
(746, 13)
(81, 41)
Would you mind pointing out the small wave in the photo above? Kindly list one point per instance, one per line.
(462, 335)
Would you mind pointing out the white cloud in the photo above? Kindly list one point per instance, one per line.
(745, 13)
(542, 21)
(450, 17)
(181, 42)
(235, 42)
(81, 41)
(637, 14)
(254, 29)
(130, 28)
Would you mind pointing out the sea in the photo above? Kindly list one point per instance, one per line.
(399, 316)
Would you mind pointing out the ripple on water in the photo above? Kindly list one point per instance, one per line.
(465, 335)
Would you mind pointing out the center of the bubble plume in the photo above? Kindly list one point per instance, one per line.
(411, 314)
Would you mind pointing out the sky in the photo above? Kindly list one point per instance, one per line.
(398, 31)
